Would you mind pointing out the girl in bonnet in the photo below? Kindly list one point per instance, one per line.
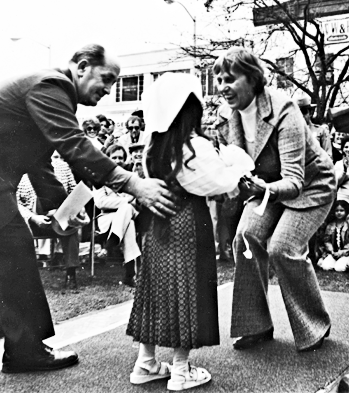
(175, 303)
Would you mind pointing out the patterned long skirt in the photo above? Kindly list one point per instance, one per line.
(175, 303)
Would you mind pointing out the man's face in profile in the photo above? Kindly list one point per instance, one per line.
(95, 82)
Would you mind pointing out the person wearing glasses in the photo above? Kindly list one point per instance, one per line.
(91, 128)
(134, 133)
(321, 133)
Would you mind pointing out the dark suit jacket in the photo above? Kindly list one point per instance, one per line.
(286, 153)
(37, 116)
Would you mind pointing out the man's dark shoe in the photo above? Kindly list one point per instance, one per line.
(247, 342)
(318, 344)
(43, 359)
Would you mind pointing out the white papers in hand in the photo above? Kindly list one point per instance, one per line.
(73, 204)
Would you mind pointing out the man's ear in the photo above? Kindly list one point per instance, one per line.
(82, 67)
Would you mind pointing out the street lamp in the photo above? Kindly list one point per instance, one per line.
(193, 18)
(14, 39)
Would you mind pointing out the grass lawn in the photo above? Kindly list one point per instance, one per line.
(104, 289)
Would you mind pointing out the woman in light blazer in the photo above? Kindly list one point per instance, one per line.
(300, 178)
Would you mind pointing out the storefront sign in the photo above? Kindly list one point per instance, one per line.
(336, 31)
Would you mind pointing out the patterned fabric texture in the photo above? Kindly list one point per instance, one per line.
(176, 297)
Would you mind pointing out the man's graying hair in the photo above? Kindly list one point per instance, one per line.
(94, 53)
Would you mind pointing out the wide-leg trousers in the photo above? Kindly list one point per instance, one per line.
(24, 311)
(288, 231)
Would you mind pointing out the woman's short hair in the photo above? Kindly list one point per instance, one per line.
(241, 61)
(114, 148)
(93, 122)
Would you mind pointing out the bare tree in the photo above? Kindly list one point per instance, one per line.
(299, 20)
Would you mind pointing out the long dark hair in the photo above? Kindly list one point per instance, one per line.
(167, 147)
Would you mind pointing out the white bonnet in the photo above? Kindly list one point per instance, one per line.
(162, 101)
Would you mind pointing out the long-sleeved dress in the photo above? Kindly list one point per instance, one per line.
(176, 297)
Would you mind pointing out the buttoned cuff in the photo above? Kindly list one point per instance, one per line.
(118, 178)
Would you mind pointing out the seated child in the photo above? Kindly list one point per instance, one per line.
(336, 240)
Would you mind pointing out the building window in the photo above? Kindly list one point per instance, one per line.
(285, 65)
(157, 74)
(129, 88)
(207, 82)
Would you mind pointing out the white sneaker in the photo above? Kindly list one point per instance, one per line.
(195, 376)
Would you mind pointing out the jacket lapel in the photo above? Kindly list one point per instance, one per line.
(264, 129)
(231, 131)
(236, 130)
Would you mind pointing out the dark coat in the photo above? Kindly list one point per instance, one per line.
(37, 116)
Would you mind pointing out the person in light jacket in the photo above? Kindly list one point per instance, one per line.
(298, 176)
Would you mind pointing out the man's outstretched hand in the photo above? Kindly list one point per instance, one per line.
(153, 194)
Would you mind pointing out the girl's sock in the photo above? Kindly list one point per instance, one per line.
(146, 358)
(180, 362)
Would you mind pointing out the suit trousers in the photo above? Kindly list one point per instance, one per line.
(24, 312)
(288, 231)
(70, 244)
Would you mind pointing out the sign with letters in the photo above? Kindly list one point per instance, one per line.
(336, 31)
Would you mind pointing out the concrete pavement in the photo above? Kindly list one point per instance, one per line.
(107, 355)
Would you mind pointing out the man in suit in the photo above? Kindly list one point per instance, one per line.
(300, 177)
(37, 114)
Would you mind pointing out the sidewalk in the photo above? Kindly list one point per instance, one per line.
(107, 355)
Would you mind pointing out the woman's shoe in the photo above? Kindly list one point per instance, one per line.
(318, 344)
(195, 376)
(161, 370)
(251, 341)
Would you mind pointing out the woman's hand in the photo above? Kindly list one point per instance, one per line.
(253, 188)
(109, 141)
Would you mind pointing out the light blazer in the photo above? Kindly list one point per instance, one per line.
(286, 153)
